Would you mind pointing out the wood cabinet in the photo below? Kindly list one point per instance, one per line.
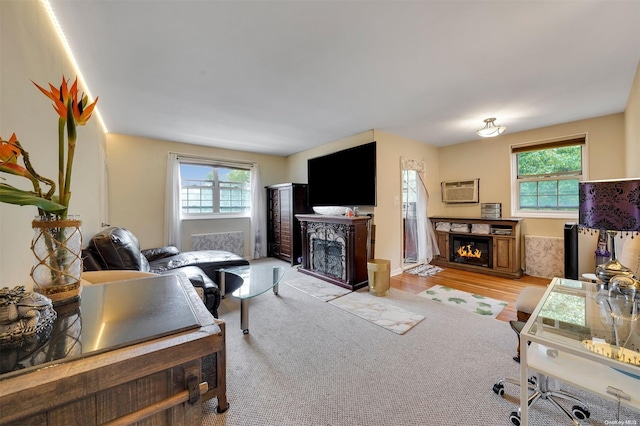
(336, 249)
(502, 234)
(284, 201)
(143, 383)
(503, 254)
(443, 246)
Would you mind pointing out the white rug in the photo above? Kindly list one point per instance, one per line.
(376, 310)
(469, 302)
(424, 270)
(317, 288)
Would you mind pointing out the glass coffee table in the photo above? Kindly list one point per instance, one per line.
(248, 282)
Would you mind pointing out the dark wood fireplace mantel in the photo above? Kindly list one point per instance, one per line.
(335, 249)
(503, 235)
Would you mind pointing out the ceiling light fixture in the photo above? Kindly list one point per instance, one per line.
(490, 129)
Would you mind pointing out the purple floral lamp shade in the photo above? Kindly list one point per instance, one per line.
(610, 205)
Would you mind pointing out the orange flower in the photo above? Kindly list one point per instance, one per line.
(72, 112)
(9, 153)
(82, 111)
(61, 97)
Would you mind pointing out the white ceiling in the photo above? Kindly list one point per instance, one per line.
(281, 77)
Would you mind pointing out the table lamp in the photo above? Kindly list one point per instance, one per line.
(610, 206)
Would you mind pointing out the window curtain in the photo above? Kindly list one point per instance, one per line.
(258, 215)
(173, 224)
(423, 232)
(430, 248)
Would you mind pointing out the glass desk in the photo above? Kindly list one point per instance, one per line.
(584, 337)
(249, 282)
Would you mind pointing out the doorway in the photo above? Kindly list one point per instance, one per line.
(409, 218)
(418, 239)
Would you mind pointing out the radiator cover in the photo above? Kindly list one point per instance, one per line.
(228, 241)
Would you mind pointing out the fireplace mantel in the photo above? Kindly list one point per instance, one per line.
(335, 249)
(503, 235)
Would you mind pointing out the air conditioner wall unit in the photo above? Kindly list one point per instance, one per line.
(461, 191)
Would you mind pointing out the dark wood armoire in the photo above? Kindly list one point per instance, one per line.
(284, 201)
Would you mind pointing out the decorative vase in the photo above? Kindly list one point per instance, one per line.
(601, 260)
(57, 246)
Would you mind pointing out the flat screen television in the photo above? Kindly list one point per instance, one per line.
(343, 178)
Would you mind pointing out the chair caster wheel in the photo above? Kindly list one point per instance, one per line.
(245, 331)
(515, 418)
(580, 413)
(498, 388)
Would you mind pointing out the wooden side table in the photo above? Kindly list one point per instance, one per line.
(162, 379)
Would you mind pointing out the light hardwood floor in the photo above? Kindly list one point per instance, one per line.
(506, 289)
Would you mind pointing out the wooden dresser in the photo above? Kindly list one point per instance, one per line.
(159, 381)
(284, 201)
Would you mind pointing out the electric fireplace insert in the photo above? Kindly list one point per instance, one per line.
(471, 250)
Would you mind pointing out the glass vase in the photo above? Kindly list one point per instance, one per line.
(57, 247)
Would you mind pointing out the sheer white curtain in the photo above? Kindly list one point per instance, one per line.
(422, 233)
(173, 224)
(429, 247)
(258, 215)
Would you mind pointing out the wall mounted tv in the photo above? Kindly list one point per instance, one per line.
(343, 178)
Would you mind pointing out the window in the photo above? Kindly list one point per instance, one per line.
(546, 177)
(208, 189)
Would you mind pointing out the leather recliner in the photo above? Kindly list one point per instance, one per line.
(118, 249)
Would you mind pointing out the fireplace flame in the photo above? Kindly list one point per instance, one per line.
(467, 251)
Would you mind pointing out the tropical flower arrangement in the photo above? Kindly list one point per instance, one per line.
(57, 240)
(73, 111)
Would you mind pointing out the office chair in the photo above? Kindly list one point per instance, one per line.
(538, 384)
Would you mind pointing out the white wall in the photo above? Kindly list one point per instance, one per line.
(489, 160)
(31, 50)
(632, 128)
(137, 175)
(388, 212)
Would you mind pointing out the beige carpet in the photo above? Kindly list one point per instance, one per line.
(306, 363)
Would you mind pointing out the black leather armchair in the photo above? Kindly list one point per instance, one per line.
(118, 248)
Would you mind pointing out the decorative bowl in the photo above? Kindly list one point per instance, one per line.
(330, 210)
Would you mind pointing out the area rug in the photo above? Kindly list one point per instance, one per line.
(377, 311)
(317, 288)
(470, 302)
(424, 270)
